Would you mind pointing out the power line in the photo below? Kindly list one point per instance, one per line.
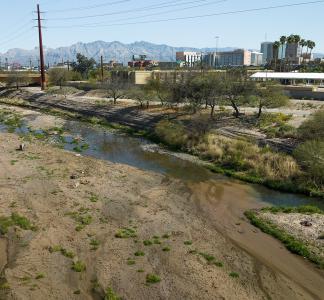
(89, 7)
(198, 16)
(158, 13)
(151, 7)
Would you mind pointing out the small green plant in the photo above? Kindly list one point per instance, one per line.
(131, 262)
(78, 266)
(218, 264)
(4, 286)
(156, 241)
(165, 236)
(95, 244)
(66, 253)
(147, 243)
(209, 258)
(152, 278)
(139, 253)
(188, 243)
(15, 220)
(94, 198)
(166, 249)
(125, 233)
(111, 295)
(77, 292)
(234, 275)
(40, 276)
(140, 271)
(193, 251)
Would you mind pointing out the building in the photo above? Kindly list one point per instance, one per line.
(267, 51)
(189, 59)
(239, 57)
(256, 58)
(293, 53)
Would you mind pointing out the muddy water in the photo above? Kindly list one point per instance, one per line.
(221, 200)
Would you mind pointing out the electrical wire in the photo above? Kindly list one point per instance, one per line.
(197, 16)
(158, 13)
(151, 7)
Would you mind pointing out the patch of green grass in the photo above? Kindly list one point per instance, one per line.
(291, 243)
(94, 198)
(218, 264)
(147, 242)
(139, 253)
(188, 243)
(156, 241)
(78, 266)
(13, 162)
(40, 276)
(15, 220)
(94, 243)
(125, 233)
(306, 209)
(64, 252)
(166, 249)
(209, 258)
(234, 275)
(152, 278)
(4, 286)
(166, 236)
(130, 262)
(111, 295)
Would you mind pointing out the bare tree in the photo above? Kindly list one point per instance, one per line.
(115, 89)
(18, 79)
(58, 76)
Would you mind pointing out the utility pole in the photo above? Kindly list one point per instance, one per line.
(102, 68)
(216, 53)
(41, 51)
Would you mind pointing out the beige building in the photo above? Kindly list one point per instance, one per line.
(239, 57)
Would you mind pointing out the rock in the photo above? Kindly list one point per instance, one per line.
(74, 176)
(306, 223)
(21, 147)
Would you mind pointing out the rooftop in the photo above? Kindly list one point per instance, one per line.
(288, 75)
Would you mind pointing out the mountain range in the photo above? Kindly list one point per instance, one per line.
(109, 50)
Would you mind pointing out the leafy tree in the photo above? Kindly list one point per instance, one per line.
(270, 96)
(140, 95)
(160, 88)
(83, 65)
(58, 76)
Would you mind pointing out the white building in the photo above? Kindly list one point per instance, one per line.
(256, 58)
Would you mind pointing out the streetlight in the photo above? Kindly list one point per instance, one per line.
(216, 60)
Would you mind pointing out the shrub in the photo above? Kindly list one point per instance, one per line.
(78, 266)
(313, 128)
(310, 156)
(152, 278)
(171, 133)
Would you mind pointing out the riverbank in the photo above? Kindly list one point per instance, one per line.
(137, 122)
(98, 226)
(300, 229)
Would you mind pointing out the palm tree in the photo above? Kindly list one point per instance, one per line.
(311, 46)
(276, 46)
(308, 43)
(290, 41)
(302, 43)
(283, 41)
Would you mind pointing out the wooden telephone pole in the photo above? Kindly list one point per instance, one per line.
(102, 68)
(41, 50)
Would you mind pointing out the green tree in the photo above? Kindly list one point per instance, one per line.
(160, 88)
(83, 65)
(270, 96)
(276, 46)
(283, 40)
(313, 128)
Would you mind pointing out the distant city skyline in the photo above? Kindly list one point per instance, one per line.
(84, 22)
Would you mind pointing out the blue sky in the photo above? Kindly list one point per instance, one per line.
(245, 30)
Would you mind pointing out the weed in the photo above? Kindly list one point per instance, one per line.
(147, 243)
(13, 162)
(166, 249)
(77, 292)
(152, 278)
(94, 198)
(78, 266)
(125, 233)
(156, 241)
(165, 236)
(218, 264)
(67, 253)
(188, 243)
(15, 220)
(139, 253)
(140, 271)
(209, 258)
(4, 286)
(131, 262)
(95, 244)
(193, 251)
(40, 276)
(234, 275)
(111, 295)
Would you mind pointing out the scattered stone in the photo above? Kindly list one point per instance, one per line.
(306, 223)
(74, 176)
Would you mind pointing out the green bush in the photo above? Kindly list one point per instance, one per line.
(310, 155)
(313, 128)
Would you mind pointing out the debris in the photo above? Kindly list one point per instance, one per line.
(21, 147)
(306, 223)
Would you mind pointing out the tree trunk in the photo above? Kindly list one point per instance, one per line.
(115, 100)
(237, 112)
(260, 109)
(212, 111)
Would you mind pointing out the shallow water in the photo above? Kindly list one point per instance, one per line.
(137, 152)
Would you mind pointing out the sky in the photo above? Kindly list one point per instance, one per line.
(68, 22)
